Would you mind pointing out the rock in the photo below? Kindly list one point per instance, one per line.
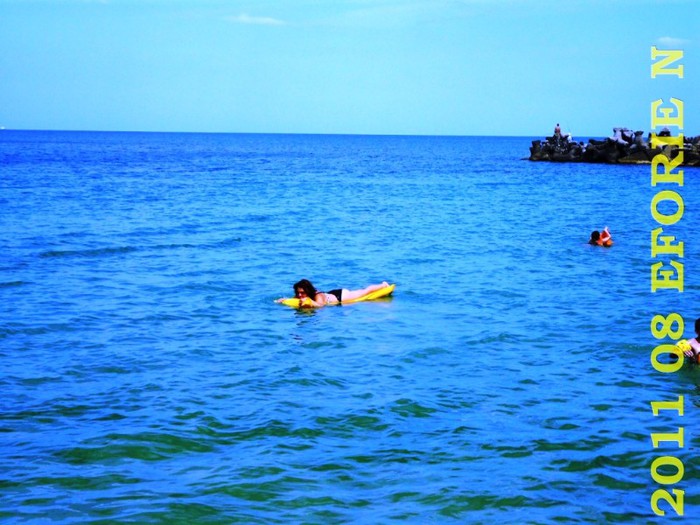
(623, 147)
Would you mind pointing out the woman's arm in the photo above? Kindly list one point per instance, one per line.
(306, 302)
(694, 350)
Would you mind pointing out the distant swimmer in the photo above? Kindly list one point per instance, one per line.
(601, 238)
(304, 290)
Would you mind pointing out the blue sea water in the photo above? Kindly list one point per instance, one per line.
(148, 376)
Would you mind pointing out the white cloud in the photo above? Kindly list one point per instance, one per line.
(669, 41)
(255, 20)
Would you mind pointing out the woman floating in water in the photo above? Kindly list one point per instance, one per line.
(601, 238)
(305, 290)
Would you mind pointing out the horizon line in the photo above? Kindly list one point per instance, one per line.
(50, 130)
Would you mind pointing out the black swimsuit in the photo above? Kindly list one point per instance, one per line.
(338, 294)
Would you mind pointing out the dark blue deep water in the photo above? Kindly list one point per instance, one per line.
(147, 375)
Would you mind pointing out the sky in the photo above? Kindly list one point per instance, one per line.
(387, 67)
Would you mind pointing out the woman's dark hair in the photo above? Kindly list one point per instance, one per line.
(697, 326)
(595, 235)
(308, 288)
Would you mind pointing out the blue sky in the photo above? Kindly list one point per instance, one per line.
(425, 67)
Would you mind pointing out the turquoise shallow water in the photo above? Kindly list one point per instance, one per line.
(148, 375)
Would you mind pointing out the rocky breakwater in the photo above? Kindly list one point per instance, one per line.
(623, 147)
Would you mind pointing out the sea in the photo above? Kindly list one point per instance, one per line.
(148, 375)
